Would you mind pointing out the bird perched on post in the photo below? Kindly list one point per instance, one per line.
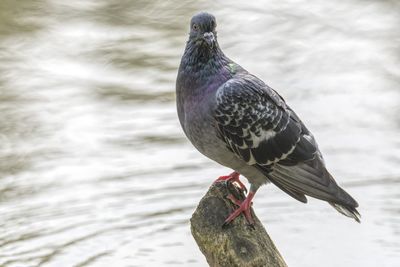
(235, 119)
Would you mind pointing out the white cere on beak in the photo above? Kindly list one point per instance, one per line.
(209, 37)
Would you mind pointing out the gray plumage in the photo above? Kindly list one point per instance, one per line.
(235, 119)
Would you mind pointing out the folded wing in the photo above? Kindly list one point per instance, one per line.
(258, 126)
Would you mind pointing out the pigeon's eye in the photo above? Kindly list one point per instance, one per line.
(195, 27)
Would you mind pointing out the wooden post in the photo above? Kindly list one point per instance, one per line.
(237, 244)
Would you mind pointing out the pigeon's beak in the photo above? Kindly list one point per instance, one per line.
(209, 38)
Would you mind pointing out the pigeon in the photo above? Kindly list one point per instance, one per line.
(235, 119)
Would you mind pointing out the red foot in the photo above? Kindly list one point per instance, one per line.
(233, 178)
(244, 207)
(234, 200)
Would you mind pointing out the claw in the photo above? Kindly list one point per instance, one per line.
(233, 178)
(244, 207)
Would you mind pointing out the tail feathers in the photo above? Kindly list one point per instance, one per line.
(314, 181)
(348, 211)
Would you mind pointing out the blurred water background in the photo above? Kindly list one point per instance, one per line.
(95, 170)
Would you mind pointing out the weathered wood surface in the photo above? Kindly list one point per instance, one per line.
(237, 244)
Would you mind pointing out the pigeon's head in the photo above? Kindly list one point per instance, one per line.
(202, 30)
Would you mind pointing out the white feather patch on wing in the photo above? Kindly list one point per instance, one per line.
(265, 135)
